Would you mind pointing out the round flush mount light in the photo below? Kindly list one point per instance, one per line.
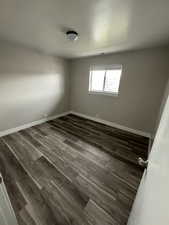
(72, 35)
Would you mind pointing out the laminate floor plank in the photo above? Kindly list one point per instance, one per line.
(112, 130)
(140, 143)
(26, 217)
(72, 171)
(108, 202)
(97, 216)
(73, 213)
(86, 167)
(106, 145)
(96, 132)
(62, 165)
(22, 191)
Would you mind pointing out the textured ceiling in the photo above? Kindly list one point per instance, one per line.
(104, 25)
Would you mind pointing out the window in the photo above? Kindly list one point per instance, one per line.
(105, 80)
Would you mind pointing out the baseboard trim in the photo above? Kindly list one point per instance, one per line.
(25, 126)
(138, 132)
(22, 127)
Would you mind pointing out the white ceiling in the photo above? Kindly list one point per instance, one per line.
(104, 25)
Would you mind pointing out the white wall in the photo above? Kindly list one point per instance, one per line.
(32, 86)
(144, 77)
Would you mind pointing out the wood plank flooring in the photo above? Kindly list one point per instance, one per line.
(72, 171)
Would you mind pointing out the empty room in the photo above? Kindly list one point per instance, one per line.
(84, 112)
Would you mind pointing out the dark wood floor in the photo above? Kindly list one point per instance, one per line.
(72, 171)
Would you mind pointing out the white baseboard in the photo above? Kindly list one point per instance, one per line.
(22, 127)
(139, 132)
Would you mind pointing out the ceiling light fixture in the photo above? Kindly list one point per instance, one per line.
(72, 35)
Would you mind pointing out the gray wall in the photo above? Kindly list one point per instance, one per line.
(144, 77)
(32, 86)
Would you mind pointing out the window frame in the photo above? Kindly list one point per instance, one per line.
(105, 68)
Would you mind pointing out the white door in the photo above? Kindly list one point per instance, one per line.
(151, 206)
(7, 216)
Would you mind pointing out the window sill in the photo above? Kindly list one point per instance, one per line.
(102, 93)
